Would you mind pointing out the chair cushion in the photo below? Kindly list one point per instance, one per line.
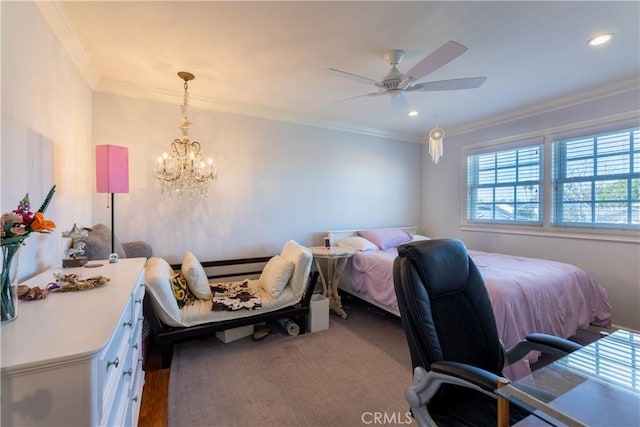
(275, 275)
(443, 264)
(158, 274)
(196, 277)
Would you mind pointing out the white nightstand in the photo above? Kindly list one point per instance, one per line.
(336, 261)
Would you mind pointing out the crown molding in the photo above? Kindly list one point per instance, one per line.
(576, 98)
(151, 93)
(58, 23)
(55, 17)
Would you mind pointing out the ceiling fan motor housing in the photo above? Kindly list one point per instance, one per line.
(391, 80)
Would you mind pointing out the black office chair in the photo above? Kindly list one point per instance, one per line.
(456, 353)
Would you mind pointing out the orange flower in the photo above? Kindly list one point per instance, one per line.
(42, 225)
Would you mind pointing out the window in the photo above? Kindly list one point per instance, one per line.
(596, 180)
(504, 186)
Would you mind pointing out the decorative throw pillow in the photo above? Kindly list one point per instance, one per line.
(181, 290)
(196, 277)
(275, 275)
(98, 243)
(158, 274)
(357, 243)
(386, 238)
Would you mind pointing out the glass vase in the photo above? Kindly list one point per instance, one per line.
(9, 289)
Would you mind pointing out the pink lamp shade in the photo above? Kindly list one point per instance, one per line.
(112, 169)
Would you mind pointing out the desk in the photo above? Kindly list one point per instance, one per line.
(336, 261)
(596, 385)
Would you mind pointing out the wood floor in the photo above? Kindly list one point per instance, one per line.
(153, 408)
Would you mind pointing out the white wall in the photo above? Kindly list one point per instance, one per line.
(46, 131)
(276, 181)
(615, 265)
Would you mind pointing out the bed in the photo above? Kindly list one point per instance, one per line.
(528, 295)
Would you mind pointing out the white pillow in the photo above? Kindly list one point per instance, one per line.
(275, 275)
(418, 237)
(357, 243)
(158, 274)
(196, 277)
(301, 258)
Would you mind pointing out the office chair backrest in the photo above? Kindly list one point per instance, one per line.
(444, 306)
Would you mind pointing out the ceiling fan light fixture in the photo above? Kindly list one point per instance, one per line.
(600, 39)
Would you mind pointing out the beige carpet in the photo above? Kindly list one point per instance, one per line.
(347, 375)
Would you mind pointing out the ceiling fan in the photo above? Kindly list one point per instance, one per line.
(395, 83)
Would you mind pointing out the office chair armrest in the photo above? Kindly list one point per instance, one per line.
(479, 377)
(426, 384)
(540, 342)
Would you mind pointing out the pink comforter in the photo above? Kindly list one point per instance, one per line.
(528, 295)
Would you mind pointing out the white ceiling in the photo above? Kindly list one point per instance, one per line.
(270, 59)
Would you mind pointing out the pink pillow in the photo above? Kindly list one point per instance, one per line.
(386, 238)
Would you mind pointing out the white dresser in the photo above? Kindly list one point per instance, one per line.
(75, 358)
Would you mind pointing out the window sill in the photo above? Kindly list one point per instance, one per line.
(626, 236)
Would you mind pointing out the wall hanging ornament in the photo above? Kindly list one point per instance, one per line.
(435, 137)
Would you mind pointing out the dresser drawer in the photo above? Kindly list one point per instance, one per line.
(114, 361)
(135, 392)
(137, 298)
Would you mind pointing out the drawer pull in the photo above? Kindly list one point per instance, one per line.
(129, 323)
(139, 301)
(129, 372)
(114, 363)
(135, 346)
(135, 399)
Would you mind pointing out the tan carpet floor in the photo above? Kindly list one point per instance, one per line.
(356, 370)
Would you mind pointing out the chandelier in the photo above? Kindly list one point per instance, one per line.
(183, 170)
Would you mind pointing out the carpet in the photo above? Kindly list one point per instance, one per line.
(352, 374)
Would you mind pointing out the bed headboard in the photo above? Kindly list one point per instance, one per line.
(337, 235)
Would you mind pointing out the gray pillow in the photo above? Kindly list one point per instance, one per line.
(98, 243)
(137, 249)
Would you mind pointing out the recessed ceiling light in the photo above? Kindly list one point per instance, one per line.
(600, 39)
(412, 113)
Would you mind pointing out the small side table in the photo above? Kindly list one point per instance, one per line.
(336, 262)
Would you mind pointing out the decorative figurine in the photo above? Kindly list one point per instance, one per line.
(73, 255)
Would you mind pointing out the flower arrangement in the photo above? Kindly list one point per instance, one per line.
(15, 227)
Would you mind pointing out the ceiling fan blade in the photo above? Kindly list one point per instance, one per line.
(453, 84)
(436, 59)
(357, 78)
(361, 96)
